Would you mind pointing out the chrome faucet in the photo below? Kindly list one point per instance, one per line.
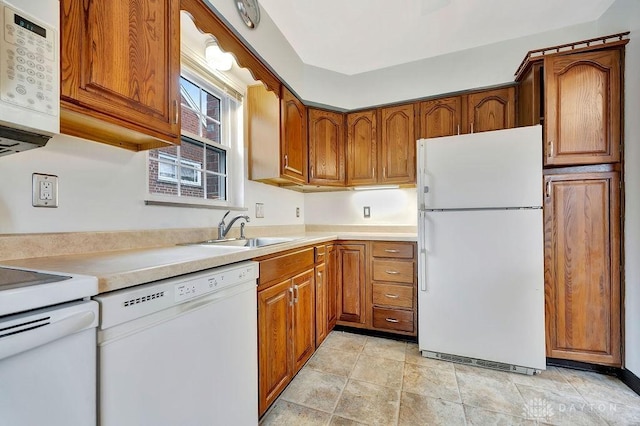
(223, 228)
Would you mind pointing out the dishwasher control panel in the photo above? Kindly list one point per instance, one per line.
(127, 304)
(213, 281)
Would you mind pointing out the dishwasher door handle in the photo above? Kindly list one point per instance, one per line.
(30, 339)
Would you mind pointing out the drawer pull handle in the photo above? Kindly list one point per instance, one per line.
(392, 272)
(392, 251)
(392, 296)
(393, 320)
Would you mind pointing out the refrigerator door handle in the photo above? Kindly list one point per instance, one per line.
(422, 177)
(422, 245)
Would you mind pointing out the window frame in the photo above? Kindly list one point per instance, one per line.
(230, 127)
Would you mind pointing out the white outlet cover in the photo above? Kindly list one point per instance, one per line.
(44, 190)
(259, 210)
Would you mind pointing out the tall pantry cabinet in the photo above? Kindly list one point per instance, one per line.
(577, 96)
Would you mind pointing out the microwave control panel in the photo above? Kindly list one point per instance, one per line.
(28, 62)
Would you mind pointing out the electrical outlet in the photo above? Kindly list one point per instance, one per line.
(44, 190)
(297, 211)
(259, 210)
(367, 212)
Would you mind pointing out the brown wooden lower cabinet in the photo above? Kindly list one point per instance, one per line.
(275, 318)
(377, 282)
(286, 321)
(582, 267)
(331, 263)
(394, 287)
(351, 283)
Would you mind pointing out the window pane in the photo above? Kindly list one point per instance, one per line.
(162, 184)
(211, 130)
(190, 94)
(192, 151)
(211, 106)
(216, 187)
(216, 160)
(190, 120)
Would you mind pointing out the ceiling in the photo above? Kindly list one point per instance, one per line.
(355, 36)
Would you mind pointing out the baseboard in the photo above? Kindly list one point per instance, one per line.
(375, 333)
(584, 366)
(625, 376)
(630, 379)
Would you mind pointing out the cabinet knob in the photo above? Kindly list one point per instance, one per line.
(395, 272)
(392, 251)
(392, 296)
(550, 149)
(393, 320)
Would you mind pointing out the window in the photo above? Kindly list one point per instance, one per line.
(198, 167)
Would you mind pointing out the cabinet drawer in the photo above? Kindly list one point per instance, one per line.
(393, 249)
(286, 265)
(400, 296)
(319, 251)
(393, 270)
(393, 319)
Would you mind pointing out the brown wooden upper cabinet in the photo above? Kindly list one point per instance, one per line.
(362, 148)
(482, 111)
(441, 117)
(277, 137)
(326, 148)
(398, 145)
(582, 108)
(120, 66)
(381, 146)
(491, 110)
(582, 267)
(293, 137)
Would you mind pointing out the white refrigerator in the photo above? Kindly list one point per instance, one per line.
(480, 243)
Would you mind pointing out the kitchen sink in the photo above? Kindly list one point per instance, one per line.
(246, 242)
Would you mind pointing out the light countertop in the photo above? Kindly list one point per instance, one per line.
(125, 268)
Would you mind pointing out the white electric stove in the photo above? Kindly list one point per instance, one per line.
(47, 348)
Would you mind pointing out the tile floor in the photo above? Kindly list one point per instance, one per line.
(354, 380)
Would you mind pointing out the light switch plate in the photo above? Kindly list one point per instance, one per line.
(44, 190)
(259, 210)
(367, 211)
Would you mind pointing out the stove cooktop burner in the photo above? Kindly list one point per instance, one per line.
(16, 278)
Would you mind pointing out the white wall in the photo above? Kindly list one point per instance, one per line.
(484, 66)
(624, 15)
(103, 188)
(388, 207)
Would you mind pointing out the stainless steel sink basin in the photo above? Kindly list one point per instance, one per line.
(246, 242)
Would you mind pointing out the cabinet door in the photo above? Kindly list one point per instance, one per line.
(530, 96)
(362, 148)
(332, 287)
(274, 337)
(441, 117)
(120, 63)
(304, 319)
(293, 137)
(583, 98)
(326, 148)
(582, 273)
(398, 145)
(351, 283)
(321, 304)
(491, 110)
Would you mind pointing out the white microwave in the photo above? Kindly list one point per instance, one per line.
(29, 74)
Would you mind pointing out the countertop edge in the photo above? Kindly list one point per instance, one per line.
(125, 275)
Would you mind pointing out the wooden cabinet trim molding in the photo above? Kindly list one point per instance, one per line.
(207, 21)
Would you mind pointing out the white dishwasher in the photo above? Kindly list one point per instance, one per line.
(181, 351)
